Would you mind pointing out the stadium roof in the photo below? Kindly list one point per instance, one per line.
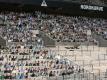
(38, 2)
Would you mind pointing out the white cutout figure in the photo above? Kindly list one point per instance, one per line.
(44, 3)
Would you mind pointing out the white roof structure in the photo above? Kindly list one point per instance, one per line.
(44, 4)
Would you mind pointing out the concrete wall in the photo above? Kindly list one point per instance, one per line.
(2, 42)
(48, 42)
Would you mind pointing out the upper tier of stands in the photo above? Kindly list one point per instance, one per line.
(21, 27)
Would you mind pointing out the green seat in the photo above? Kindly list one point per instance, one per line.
(1, 77)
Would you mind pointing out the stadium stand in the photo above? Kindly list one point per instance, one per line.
(23, 46)
(28, 37)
